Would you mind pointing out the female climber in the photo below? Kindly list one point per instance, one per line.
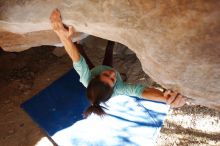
(103, 82)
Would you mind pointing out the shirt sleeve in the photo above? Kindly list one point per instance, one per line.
(132, 89)
(82, 69)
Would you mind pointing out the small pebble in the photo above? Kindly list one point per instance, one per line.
(11, 131)
(21, 125)
(6, 101)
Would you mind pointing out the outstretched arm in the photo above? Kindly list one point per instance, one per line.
(170, 97)
(65, 35)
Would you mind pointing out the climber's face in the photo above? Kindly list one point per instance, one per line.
(108, 77)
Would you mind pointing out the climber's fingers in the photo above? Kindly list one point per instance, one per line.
(174, 99)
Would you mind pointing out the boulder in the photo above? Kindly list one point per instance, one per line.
(177, 42)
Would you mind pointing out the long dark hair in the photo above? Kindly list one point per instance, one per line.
(97, 92)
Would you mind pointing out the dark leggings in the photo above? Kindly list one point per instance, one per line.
(108, 58)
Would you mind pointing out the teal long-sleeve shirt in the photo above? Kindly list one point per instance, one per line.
(120, 88)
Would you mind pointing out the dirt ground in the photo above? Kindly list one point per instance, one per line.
(24, 74)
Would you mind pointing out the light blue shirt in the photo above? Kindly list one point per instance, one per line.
(120, 88)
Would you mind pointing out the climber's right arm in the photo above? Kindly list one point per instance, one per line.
(65, 35)
(71, 49)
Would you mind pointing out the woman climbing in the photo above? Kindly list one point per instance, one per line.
(103, 82)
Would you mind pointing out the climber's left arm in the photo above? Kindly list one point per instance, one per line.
(170, 97)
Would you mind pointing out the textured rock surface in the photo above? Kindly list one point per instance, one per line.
(177, 42)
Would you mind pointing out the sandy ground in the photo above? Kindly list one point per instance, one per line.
(24, 74)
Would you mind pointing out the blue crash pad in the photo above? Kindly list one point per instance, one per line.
(129, 121)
